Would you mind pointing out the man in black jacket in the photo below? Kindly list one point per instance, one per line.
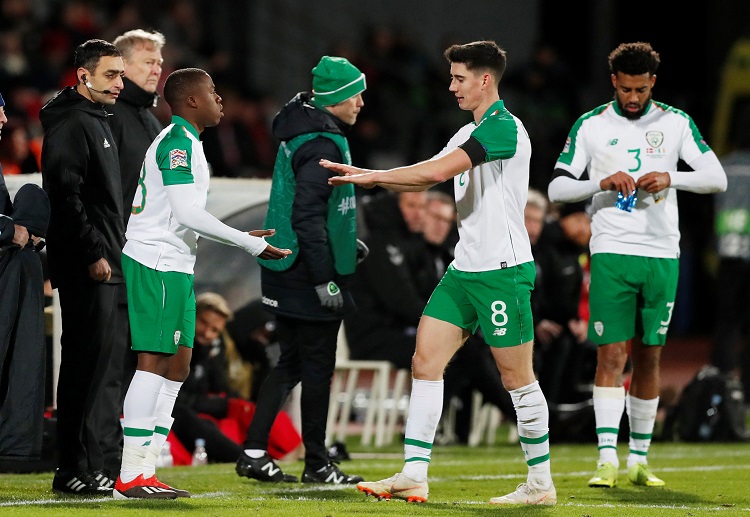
(81, 175)
(134, 127)
(308, 290)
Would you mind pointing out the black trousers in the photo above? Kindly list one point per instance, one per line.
(188, 427)
(308, 355)
(90, 324)
(117, 377)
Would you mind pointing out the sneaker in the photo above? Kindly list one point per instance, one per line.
(330, 474)
(104, 478)
(178, 491)
(640, 474)
(82, 483)
(262, 469)
(399, 486)
(141, 488)
(605, 476)
(527, 494)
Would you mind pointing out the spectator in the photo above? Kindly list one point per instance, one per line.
(386, 287)
(563, 349)
(208, 407)
(81, 175)
(23, 225)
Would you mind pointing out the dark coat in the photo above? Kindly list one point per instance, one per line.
(314, 263)
(22, 343)
(81, 175)
(134, 127)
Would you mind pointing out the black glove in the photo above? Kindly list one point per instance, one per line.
(330, 296)
(362, 251)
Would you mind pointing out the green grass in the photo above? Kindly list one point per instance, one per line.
(702, 479)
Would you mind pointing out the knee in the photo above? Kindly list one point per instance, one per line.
(612, 358)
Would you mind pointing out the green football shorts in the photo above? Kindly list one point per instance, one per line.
(161, 308)
(498, 302)
(631, 295)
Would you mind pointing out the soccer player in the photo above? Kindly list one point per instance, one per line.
(489, 283)
(167, 216)
(630, 147)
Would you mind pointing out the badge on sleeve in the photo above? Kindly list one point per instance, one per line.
(177, 158)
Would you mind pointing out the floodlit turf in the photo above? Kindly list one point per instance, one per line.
(702, 479)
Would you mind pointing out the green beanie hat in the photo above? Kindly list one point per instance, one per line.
(335, 79)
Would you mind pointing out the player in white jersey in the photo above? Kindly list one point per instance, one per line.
(489, 283)
(630, 148)
(167, 216)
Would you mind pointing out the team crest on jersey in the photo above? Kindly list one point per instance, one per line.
(177, 158)
(655, 138)
(599, 328)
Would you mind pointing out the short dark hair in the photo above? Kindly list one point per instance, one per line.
(634, 59)
(181, 83)
(88, 53)
(479, 55)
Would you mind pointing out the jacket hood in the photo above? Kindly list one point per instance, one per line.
(137, 96)
(31, 209)
(300, 116)
(58, 107)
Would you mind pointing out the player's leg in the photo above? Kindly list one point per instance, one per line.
(612, 301)
(658, 294)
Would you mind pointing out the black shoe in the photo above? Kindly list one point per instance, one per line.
(330, 474)
(262, 469)
(104, 478)
(338, 453)
(82, 483)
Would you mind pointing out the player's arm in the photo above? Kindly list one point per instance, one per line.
(183, 199)
(707, 177)
(565, 188)
(420, 176)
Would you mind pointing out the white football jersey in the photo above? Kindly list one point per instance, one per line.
(604, 142)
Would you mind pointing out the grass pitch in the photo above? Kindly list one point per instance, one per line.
(702, 479)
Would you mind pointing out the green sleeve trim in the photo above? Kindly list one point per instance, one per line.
(498, 134)
(174, 157)
(697, 137)
(569, 150)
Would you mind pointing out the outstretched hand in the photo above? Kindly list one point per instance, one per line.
(271, 252)
(349, 174)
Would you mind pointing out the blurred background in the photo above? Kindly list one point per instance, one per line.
(260, 54)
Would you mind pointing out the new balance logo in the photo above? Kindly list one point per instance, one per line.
(106, 144)
(662, 331)
(499, 332)
(272, 470)
(333, 478)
